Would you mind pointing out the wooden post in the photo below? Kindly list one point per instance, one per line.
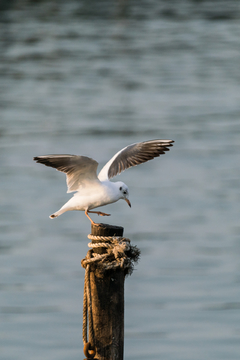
(107, 294)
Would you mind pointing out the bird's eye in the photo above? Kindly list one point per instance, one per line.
(124, 192)
(120, 188)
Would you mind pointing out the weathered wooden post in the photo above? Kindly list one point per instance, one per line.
(107, 264)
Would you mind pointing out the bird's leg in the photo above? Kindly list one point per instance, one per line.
(99, 213)
(86, 213)
(95, 212)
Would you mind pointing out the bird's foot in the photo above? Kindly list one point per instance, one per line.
(95, 224)
(102, 214)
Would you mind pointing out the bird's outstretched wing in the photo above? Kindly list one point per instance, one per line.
(133, 155)
(81, 171)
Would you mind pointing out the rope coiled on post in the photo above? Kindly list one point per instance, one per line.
(120, 254)
(116, 252)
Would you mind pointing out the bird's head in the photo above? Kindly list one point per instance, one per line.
(123, 192)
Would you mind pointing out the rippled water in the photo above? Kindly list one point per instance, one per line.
(90, 78)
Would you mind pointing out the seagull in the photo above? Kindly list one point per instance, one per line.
(92, 191)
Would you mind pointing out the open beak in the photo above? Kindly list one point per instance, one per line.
(129, 204)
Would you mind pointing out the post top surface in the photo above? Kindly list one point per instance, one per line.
(106, 230)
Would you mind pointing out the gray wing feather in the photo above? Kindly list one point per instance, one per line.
(136, 154)
(80, 170)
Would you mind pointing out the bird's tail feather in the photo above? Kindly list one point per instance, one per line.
(57, 213)
(53, 216)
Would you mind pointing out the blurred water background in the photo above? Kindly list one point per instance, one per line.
(88, 78)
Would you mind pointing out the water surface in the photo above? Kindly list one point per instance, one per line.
(89, 79)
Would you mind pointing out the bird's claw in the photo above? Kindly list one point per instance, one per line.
(103, 214)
